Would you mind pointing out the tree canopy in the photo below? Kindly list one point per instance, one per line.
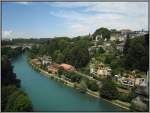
(109, 90)
(77, 57)
(104, 32)
(7, 75)
(15, 100)
(10, 86)
(136, 52)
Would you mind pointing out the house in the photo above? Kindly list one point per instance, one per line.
(125, 32)
(131, 80)
(98, 37)
(128, 81)
(36, 61)
(120, 46)
(67, 67)
(103, 70)
(46, 60)
(140, 82)
(117, 36)
(100, 70)
(53, 69)
(137, 33)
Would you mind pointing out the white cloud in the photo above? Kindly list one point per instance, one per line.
(118, 15)
(23, 3)
(70, 4)
(78, 29)
(7, 34)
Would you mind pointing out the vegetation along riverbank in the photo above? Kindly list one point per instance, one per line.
(13, 99)
(70, 84)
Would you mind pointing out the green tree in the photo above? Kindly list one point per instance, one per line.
(104, 32)
(18, 101)
(136, 54)
(58, 56)
(101, 50)
(11, 53)
(77, 54)
(7, 75)
(92, 85)
(61, 71)
(34, 51)
(10, 85)
(43, 49)
(109, 90)
(5, 92)
(73, 76)
(83, 86)
(63, 44)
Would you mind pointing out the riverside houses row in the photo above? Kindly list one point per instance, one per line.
(51, 67)
(99, 70)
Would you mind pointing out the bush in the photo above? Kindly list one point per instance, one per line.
(101, 50)
(127, 97)
(124, 97)
(75, 85)
(109, 90)
(73, 76)
(18, 101)
(14, 99)
(83, 86)
(92, 85)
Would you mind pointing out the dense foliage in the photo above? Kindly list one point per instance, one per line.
(11, 53)
(82, 86)
(7, 75)
(136, 54)
(127, 97)
(104, 32)
(77, 56)
(64, 50)
(109, 90)
(12, 98)
(92, 85)
(73, 76)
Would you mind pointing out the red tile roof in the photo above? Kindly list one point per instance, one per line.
(36, 61)
(67, 67)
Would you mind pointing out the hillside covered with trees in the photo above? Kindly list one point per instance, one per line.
(13, 99)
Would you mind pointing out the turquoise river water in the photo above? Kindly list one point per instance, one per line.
(50, 95)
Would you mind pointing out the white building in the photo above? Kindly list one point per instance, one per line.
(100, 70)
(46, 60)
(98, 37)
(117, 36)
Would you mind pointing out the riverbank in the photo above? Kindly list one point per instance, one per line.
(70, 84)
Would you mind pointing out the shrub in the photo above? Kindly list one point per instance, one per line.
(83, 86)
(109, 90)
(92, 85)
(124, 97)
(18, 101)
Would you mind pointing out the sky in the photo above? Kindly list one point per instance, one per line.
(50, 19)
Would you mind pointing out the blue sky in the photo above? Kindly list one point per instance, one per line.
(49, 19)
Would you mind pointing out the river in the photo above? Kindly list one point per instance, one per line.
(50, 95)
